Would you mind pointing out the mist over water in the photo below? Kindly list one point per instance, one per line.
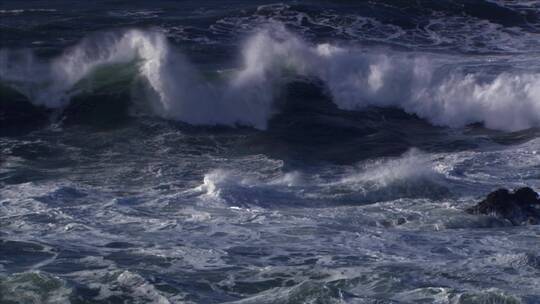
(254, 152)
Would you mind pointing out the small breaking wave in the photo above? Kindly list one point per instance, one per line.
(412, 175)
(245, 189)
(30, 10)
(438, 89)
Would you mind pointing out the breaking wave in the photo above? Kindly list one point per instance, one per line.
(438, 89)
(412, 175)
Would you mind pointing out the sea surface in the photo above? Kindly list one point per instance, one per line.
(266, 152)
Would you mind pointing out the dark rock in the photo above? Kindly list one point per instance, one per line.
(526, 196)
(401, 221)
(519, 207)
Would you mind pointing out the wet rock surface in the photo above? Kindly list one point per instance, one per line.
(519, 207)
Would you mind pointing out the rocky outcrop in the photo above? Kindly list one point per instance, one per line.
(519, 207)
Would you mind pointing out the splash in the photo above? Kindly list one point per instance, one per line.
(413, 167)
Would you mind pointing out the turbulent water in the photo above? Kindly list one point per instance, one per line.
(255, 152)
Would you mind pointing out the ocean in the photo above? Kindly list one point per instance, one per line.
(267, 152)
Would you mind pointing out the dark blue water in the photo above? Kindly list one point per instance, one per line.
(257, 152)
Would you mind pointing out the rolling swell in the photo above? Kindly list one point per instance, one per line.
(141, 66)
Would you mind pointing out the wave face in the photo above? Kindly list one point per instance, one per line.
(433, 87)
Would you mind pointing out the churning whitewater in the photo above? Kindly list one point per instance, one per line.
(258, 152)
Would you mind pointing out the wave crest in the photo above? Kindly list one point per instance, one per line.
(434, 88)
